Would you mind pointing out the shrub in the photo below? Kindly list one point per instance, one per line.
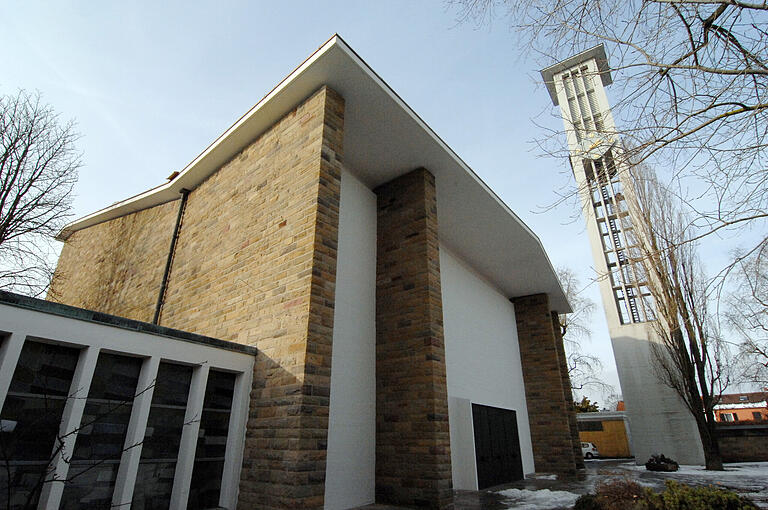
(619, 494)
(628, 495)
(677, 496)
(587, 502)
(614, 494)
(661, 463)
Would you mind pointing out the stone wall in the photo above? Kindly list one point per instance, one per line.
(548, 411)
(255, 263)
(743, 443)
(116, 267)
(413, 457)
(566, 381)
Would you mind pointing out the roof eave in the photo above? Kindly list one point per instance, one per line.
(267, 111)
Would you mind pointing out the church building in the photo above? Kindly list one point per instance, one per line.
(405, 319)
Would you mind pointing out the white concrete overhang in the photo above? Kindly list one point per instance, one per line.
(602, 415)
(383, 139)
(596, 52)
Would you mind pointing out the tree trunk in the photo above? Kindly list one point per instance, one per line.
(708, 433)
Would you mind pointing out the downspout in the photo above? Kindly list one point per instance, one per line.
(171, 251)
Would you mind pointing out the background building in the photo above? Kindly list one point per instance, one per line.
(751, 406)
(607, 430)
(658, 418)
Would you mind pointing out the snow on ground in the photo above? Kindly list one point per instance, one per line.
(747, 478)
(542, 499)
(741, 469)
(541, 476)
(541, 492)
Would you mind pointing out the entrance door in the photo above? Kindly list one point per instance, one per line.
(497, 446)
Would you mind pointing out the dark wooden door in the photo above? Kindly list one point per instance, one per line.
(497, 446)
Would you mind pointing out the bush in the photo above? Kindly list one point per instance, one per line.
(661, 463)
(587, 502)
(619, 494)
(628, 495)
(677, 496)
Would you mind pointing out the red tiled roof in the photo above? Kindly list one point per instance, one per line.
(736, 398)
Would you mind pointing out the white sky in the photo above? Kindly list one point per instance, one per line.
(151, 84)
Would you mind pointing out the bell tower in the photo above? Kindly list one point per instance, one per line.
(659, 421)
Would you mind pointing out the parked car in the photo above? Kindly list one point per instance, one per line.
(589, 450)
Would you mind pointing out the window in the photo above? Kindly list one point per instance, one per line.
(30, 419)
(101, 438)
(590, 426)
(160, 449)
(212, 441)
(757, 416)
(120, 404)
(743, 398)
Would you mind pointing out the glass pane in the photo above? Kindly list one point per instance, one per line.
(101, 438)
(30, 420)
(160, 448)
(212, 441)
(154, 483)
(90, 485)
(44, 369)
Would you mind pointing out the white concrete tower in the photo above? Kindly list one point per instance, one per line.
(659, 421)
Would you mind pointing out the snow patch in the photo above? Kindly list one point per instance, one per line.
(742, 469)
(541, 476)
(542, 499)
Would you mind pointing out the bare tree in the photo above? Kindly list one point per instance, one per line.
(38, 169)
(747, 314)
(584, 369)
(687, 352)
(690, 78)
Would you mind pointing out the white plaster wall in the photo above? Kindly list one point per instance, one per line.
(482, 362)
(351, 460)
(658, 419)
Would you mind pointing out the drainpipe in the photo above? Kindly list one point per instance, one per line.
(171, 251)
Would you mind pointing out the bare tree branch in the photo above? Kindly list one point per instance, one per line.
(38, 169)
(690, 82)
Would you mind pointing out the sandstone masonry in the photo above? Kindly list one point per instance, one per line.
(255, 263)
(545, 387)
(116, 267)
(570, 409)
(413, 457)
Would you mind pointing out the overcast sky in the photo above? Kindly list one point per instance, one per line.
(151, 84)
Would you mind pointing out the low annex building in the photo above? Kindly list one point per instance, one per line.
(607, 430)
(403, 314)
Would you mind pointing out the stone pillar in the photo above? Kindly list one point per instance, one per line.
(553, 449)
(413, 458)
(293, 278)
(577, 455)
